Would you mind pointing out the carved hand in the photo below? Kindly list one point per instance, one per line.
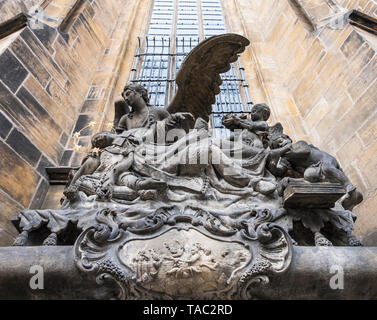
(230, 121)
(175, 119)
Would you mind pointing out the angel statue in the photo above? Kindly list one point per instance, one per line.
(167, 160)
(198, 83)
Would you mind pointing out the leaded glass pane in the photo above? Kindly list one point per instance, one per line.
(159, 65)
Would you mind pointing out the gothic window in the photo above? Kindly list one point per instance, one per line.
(176, 27)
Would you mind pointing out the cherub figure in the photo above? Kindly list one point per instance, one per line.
(254, 137)
(108, 173)
(315, 165)
(257, 125)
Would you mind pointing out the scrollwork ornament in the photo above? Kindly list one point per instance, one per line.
(178, 258)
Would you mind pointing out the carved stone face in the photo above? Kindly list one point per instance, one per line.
(280, 141)
(102, 140)
(260, 112)
(131, 96)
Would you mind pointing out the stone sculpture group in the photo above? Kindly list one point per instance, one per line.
(161, 199)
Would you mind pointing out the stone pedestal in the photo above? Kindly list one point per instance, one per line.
(312, 195)
(308, 277)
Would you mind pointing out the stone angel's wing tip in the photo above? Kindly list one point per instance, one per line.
(199, 78)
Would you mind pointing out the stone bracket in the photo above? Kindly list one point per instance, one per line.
(363, 21)
(13, 25)
(329, 14)
(312, 195)
(181, 256)
(59, 175)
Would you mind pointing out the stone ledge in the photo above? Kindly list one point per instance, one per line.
(312, 195)
(363, 21)
(303, 280)
(12, 25)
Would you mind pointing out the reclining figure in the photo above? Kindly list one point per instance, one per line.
(108, 173)
(315, 166)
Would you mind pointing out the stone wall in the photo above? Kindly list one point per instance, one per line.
(109, 77)
(10, 8)
(366, 6)
(319, 74)
(46, 74)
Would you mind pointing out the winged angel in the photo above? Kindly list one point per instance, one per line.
(158, 159)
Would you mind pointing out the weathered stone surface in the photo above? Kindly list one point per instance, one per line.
(301, 74)
(40, 194)
(351, 44)
(12, 73)
(42, 165)
(16, 173)
(40, 113)
(60, 114)
(5, 126)
(329, 78)
(53, 93)
(321, 195)
(27, 57)
(10, 8)
(309, 280)
(44, 56)
(8, 206)
(23, 147)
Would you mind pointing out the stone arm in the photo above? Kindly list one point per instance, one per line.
(88, 167)
(252, 126)
(161, 114)
(180, 120)
(232, 123)
(300, 150)
(277, 164)
(277, 153)
(112, 177)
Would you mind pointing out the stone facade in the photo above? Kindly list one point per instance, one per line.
(318, 76)
(10, 8)
(366, 6)
(48, 81)
(320, 80)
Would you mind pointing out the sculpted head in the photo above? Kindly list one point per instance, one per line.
(279, 140)
(131, 91)
(103, 139)
(260, 112)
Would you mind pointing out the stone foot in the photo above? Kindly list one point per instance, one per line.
(51, 240)
(321, 241)
(21, 240)
(148, 195)
(151, 183)
(353, 241)
(265, 187)
(352, 199)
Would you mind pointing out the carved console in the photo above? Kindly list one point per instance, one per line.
(181, 256)
(312, 195)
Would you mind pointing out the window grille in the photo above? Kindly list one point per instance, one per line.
(171, 36)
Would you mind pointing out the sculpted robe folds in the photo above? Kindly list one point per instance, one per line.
(201, 172)
(161, 209)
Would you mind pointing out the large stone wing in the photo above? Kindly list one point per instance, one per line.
(199, 79)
